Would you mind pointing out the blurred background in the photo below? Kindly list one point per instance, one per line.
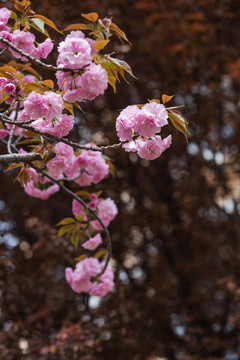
(176, 238)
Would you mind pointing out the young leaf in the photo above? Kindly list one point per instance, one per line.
(166, 98)
(115, 30)
(69, 107)
(100, 44)
(40, 24)
(79, 27)
(91, 16)
(100, 253)
(76, 236)
(47, 22)
(178, 122)
(65, 229)
(81, 257)
(48, 83)
(66, 221)
(13, 166)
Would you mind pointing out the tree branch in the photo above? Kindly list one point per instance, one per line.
(9, 158)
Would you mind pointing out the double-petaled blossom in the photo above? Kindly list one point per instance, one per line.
(82, 279)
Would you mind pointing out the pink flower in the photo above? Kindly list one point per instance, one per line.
(157, 111)
(3, 133)
(80, 279)
(4, 16)
(23, 40)
(151, 149)
(45, 48)
(74, 52)
(126, 121)
(74, 95)
(92, 243)
(60, 127)
(3, 81)
(107, 210)
(9, 89)
(31, 190)
(94, 81)
(146, 125)
(48, 106)
(64, 80)
(5, 33)
(77, 208)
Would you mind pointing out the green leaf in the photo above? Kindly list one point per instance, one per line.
(65, 229)
(66, 221)
(76, 236)
(83, 193)
(13, 15)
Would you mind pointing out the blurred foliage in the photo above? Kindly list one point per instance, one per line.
(176, 239)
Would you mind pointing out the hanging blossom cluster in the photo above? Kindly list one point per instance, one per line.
(40, 114)
(140, 126)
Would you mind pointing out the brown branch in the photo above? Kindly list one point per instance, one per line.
(10, 158)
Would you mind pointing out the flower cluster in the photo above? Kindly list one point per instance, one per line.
(23, 40)
(47, 110)
(87, 80)
(87, 168)
(84, 277)
(106, 210)
(140, 126)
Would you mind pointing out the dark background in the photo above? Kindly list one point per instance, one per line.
(176, 238)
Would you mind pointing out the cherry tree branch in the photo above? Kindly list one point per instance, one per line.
(10, 158)
(23, 125)
(23, 53)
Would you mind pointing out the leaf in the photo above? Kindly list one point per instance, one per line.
(48, 83)
(45, 32)
(99, 254)
(65, 229)
(76, 236)
(80, 218)
(69, 107)
(178, 122)
(83, 193)
(39, 23)
(100, 44)
(24, 67)
(115, 30)
(93, 16)
(79, 27)
(30, 134)
(13, 15)
(9, 69)
(13, 166)
(166, 98)
(111, 75)
(66, 221)
(81, 257)
(47, 22)
(23, 177)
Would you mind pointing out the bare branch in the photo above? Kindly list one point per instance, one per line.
(10, 158)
